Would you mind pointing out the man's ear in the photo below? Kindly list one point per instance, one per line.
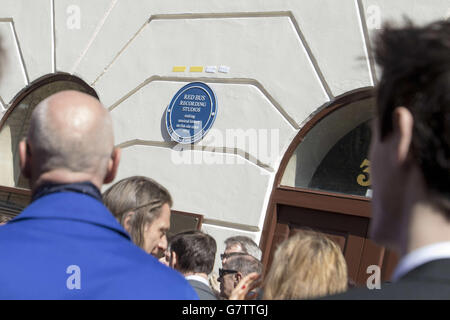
(127, 221)
(237, 278)
(25, 159)
(173, 260)
(113, 165)
(403, 129)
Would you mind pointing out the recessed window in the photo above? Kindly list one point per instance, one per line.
(333, 156)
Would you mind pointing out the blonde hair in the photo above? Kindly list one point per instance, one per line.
(307, 265)
(5, 219)
(141, 195)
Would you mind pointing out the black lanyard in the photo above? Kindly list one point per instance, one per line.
(86, 188)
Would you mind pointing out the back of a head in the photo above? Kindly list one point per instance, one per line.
(70, 131)
(307, 265)
(195, 251)
(415, 63)
(247, 244)
(245, 264)
(142, 195)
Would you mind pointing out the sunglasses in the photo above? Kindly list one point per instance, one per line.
(224, 272)
(231, 254)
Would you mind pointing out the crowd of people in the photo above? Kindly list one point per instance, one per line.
(72, 242)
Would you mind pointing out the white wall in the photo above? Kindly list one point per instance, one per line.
(287, 58)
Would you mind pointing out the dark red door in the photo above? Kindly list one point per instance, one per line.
(343, 219)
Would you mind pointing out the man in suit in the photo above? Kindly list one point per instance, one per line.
(410, 159)
(193, 253)
(66, 244)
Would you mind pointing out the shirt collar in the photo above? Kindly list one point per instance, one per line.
(87, 188)
(198, 278)
(421, 256)
(68, 205)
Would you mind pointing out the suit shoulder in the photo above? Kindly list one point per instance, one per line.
(204, 292)
(404, 290)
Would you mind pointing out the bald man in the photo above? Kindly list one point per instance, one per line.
(66, 244)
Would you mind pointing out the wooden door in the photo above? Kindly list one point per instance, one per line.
(343, 219)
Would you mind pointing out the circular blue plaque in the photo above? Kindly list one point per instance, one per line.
(191, 113)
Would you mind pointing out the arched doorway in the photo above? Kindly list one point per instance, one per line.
(323, 184)
(14, 192)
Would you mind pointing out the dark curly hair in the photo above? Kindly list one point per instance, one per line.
(415, 64)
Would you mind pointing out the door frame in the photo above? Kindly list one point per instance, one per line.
(306, 198)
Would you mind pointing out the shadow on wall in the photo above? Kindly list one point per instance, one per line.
(164, 132)
(3, 57)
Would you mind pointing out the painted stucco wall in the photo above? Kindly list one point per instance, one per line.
(285, 60)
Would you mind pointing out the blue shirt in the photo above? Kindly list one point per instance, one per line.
(68, 245)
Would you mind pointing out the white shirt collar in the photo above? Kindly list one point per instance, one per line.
(197, 278)
(421, 256)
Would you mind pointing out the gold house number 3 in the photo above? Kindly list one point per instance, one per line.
(364, 178)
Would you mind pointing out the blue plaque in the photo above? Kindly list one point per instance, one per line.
(191, 113)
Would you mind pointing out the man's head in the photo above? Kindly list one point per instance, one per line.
(142, 207)
(192, 252)
(241, 244)
(70, 140)
(234, 269)
(410, 147)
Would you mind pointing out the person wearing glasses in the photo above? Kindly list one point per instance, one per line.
(234, 246)
(235, 268)
(241, 244)
(142, 207)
